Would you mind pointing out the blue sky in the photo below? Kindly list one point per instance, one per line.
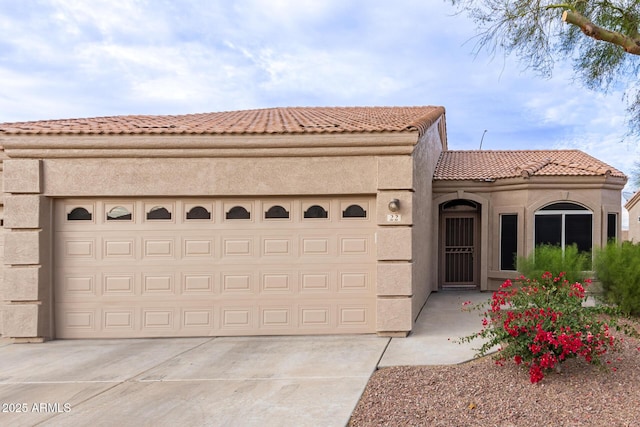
(81, 58)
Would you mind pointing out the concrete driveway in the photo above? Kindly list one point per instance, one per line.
(249, 381)
(239, 381)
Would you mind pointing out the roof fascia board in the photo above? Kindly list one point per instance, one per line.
(553, 182)
(633, 200)
(69, 146)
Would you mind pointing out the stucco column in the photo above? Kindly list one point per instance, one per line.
(27, 299)
(394, 243)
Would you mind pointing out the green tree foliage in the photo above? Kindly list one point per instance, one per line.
(635, 175)
(618, 269)
(600, 37)
(547, 258)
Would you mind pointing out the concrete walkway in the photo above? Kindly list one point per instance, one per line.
(248, 381)
(440, 323)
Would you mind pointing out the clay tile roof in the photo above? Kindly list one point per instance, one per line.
(492, 165)
(298, 120)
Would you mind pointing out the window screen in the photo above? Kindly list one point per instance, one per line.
(548, 230)
(612, 226)
(508, 241)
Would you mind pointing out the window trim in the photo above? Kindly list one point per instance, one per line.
(77, 209)
(354, 205)
(274, 206)
(129, 207)
(563, 214)
(501, 230)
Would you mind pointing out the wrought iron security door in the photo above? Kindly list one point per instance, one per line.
(459, 251)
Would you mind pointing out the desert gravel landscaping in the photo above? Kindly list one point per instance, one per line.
(480, 393)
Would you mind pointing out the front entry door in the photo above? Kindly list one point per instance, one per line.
(459, 255)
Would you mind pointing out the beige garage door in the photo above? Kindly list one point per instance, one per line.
(201, 267)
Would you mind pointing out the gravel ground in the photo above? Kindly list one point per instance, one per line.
(480, 393)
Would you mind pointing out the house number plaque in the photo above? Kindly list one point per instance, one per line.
(394, 217)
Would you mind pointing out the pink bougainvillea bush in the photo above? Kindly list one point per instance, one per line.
(541, 323)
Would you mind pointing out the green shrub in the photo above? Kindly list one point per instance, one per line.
(617, 268)
(541, 323)
(547, 258)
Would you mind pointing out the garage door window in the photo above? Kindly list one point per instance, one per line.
(158, 212)
(238, 212)
(316, 211)
(119, 213)
(79, 214)
(354, 211)
(198, 212)
(276, 212)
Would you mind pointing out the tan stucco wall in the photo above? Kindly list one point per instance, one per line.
(602, 195)
(215, 177)
(425, 241)
(633, 206)
(386, 172)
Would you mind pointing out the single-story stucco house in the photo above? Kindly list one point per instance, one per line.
(272, 222)
(633, 206)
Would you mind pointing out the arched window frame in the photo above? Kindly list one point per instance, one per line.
(158, 213)
(316, 211)
(566, 211)
(197, 213)
(110, 210)
(277, 212)
(238, 212)
(354, 211)
(80, 213)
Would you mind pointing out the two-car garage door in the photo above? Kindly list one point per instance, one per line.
(201, 267)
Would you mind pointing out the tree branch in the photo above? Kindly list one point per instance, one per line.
(592, 30)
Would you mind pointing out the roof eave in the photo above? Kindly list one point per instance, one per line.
(271, 145)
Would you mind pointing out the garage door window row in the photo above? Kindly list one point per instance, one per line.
(121, 213)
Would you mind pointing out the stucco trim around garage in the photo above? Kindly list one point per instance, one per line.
(110, 146)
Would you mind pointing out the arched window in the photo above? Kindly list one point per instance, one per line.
(354, 211)
(119, 213)
(158, 212)
(460, 205)
(79, 214)
(198, 212)
(564, 224)
(238, 212)
(316, 211)
(276, 211)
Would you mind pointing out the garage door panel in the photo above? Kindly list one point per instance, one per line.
(237, 246)
(119, 284)
(119, 248)
(276, 317)
(315, 316)
(354, 245)
(158, 318)
(80, 248)
(277, 246)
(354, 281)
(197, 284)
(236, 317)
(237, 282)
(198, 248)
(315, 282)
(277, 283)
(353, 315)
(153, 284)
(198, 319)
(78, 285)
(212, 275)
(162, 248)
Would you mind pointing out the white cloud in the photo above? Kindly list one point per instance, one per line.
(78, 58)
